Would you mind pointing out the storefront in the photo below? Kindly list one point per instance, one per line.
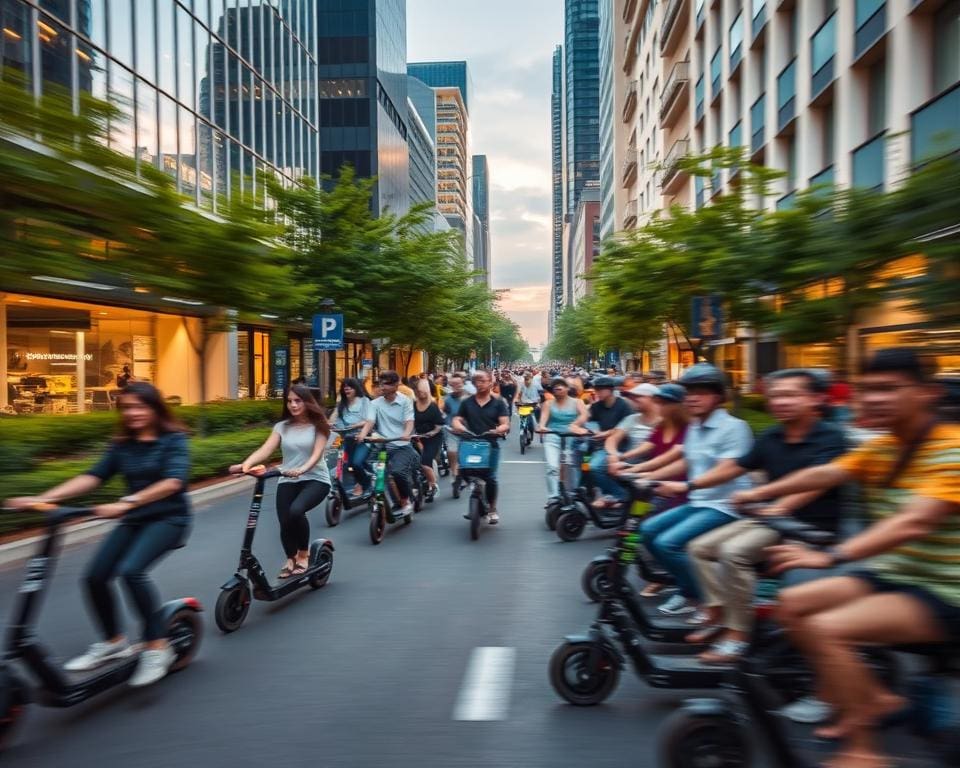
(942, 344)
(61, 356)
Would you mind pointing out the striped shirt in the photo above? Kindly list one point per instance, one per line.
(932, 562)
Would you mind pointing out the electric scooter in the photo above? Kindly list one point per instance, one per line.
(527, 427)
(339, 499)
(50, 685)
(474, 468)
(234, 600)
(383, 510)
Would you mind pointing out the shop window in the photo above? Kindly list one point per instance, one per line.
(261, 364)
(296, 358)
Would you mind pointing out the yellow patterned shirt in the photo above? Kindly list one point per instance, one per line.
(933, 472)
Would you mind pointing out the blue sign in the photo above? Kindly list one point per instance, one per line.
(280, 368)
(327, 332)
(367, 362)
(707, 318)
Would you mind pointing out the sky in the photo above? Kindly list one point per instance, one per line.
(508, 46)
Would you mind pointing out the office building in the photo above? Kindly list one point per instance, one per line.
(218, 97)
(362, 48)
(852, 93)
(423, 160)
(556, 180)
(584, 234)
(481, 209)
(608, 121)
(450, 81)
(581, 95)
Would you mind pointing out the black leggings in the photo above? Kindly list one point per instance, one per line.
(294, 500)
(126, 554)
(431, 448)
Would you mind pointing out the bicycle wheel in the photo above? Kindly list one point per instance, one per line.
(475, 508)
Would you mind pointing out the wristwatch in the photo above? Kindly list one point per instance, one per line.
(132, 500)
(691, 486)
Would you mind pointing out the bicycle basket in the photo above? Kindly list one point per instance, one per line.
(474, 454)
(524, 410)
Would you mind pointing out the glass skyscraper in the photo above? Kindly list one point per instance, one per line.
(582, 97)
(607, 181)
(362, 48)
(556, 147)
(444, 73)
(481, 209)
(216, 94)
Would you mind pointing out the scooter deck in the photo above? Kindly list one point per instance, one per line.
(685, 672)
(272, 592)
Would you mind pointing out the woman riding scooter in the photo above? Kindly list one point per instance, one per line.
(352, 410)
(150, 452)
(301, 437)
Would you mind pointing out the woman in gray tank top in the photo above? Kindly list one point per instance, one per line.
(302, 438)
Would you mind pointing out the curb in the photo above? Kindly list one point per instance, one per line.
(18, 551)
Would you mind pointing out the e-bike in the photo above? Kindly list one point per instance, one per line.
(339, 499)
(50, 685)
(527, 426)
(475, 454)
(383, 510)
(234, 600)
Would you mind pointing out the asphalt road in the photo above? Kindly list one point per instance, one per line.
(375, 668)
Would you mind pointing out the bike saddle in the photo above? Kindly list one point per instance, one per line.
(789, 528)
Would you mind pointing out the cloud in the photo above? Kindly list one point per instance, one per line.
(510, 64)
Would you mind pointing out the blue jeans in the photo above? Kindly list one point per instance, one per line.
(667, 535)
(358, 453)
(602, 479)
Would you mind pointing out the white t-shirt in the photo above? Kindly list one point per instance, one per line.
(296, 447)
(637, 431)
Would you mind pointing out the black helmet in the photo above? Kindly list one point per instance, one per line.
(705, 375)
(604, 382)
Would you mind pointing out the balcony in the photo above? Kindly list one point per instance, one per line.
(698, 98)
(630, 101)
(673, 174)
(868, 164)
(674, 22)
(629, 53)
(823, 50)
(759, 19)
(871, 24)
(935, 127)
(735, 40)
(629, 172)
(716, 64)
(787, 95)
(628, 8)
(674, 96)
(758, 116)
(630, 214)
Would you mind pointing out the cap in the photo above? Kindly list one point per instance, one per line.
(673, 393)
(604, 382)
(644, 390)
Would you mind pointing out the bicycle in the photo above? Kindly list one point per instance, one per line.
(475, 451)
(527, 425)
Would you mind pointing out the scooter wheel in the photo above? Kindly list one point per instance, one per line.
(474, 518)
(419, 494)
(378, 524)
(324, 557)
(13, 703)
(580, 681)
(334, 510)
(184, 632)
(690, 740)
(570, 526)
(551, 515)
(523, 446)
(232, 607)
(597, 581)
(456, 488)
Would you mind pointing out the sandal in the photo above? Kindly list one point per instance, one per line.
(704, 635)
(652, 589)
(299, 569)
(286, 572)
(725, 652)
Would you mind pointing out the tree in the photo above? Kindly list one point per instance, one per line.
(572, 335)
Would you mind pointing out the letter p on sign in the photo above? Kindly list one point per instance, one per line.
(327, 332)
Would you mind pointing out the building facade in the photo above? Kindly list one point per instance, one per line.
(556, 180)
(218, 95)
(608, 144)
(481, 208)
(584, 241)
(839, 93)
(423, 160)
(362, 47)
(581, 95)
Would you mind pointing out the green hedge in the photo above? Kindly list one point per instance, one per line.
(209, 457)
(29, 440)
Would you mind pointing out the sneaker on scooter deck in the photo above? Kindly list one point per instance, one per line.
(250, 578)
(50, 684)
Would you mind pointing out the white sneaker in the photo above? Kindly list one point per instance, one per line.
(97, 654)
(677, 605)
(493, 518)
(808, 710)
(698, 618)
(153, 666)
(406, 509)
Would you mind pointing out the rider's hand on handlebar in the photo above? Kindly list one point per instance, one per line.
(293, 472)
(670, 488)
(786, 557)
(24, 503)
(770, 510)
(740, 498)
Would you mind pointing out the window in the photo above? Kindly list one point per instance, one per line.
(827, 129)
(877, 98)
(946, 46)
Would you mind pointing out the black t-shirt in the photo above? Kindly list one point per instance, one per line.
(608, 417)
(771, 453)
(427, 420)
(482, 418)
(508, 391)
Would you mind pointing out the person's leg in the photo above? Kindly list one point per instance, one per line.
(152, 541)
(671, 545)
(286, 493)
(653, 527)
(309, 494)
(453, 455)
(102, 568)
(740, 554)
(704, 553)
(830, 640)
(551, 454)
(359, 453)
(398, 467)
(601, 477)
(493, 483)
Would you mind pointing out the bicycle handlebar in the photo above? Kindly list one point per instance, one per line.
(387, 439)
(55, 512)
(585, 433)
(345, 430)
(485, 436)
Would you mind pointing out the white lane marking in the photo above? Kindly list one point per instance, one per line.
(518, 461)
(485, 693)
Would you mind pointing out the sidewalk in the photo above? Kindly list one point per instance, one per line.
(22, 548)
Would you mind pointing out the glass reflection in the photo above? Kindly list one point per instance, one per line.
(146, 124)
(166, 50)
(54, 52)
(188, 153)
(121, 31)
(120, 93)
(168, 136)
(186, 77)
(145, 26)
(16, 52)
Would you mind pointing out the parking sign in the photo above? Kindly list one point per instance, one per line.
(327, 332)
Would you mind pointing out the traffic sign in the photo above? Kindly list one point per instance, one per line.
(327, 332)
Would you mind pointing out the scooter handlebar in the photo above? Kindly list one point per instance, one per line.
(55, 512)
(261, 472)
